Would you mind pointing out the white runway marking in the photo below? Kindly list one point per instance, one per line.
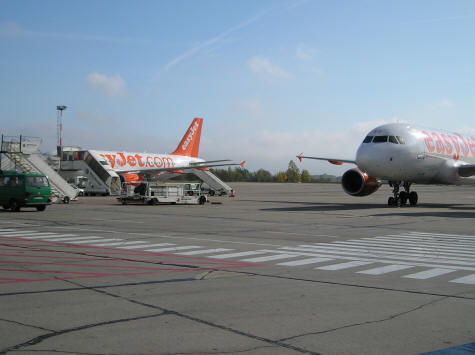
(344, 265)
(305, 261)
(269, 258)
(146, 246)
(237, 255)
(173, 249)
(427, 274)
(17, 232)
(466, 280)
(385, 269)
(92, 241)
(206, 251)
(116, 243)
(62, 240)
(439, 254)
(51, 235)
(397, 246)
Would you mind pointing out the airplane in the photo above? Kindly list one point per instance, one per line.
(405, 154)
(134, 167)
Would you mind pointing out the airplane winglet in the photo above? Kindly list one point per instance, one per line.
(242, 164)
(300, 156)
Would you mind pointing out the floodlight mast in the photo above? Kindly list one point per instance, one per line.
(60, 127)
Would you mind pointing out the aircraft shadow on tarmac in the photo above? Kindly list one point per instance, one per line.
(455, 210)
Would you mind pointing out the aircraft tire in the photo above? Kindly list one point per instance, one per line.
(14, 205)
(391, 201)
(413, 198)
(403, 197)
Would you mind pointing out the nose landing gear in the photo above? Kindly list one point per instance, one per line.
(401, 198)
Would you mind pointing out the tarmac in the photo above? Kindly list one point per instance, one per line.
(278, 269)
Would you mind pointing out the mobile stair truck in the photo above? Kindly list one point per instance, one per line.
(153, 193)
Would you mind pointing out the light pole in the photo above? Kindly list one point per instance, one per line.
(60, 132)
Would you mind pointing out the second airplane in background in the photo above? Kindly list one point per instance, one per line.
(403, 154)
(134, 167)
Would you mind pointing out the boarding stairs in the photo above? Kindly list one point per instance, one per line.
(213, 181)
(22, 153)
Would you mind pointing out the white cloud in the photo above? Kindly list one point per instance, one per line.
(113, 86)
(264, 67)
(305, 53)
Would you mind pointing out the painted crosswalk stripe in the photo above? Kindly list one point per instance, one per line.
(385, 269)
(270, 258)
(465, 280)
(451, 236)
(67, 239)
(173, 249)
(50, 235)
(305, 261)
(7, 230)
(237, 255)
(146, 246)
(427, 274)
(372, 252)
(206, 251)
(406, 247)
(425, 243)
(95, 240)
(347, 265)
(18, 232)
(396, 256)
(116, 243)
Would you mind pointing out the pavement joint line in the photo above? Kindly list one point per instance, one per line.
(208, 323)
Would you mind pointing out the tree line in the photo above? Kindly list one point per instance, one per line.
(292, 174)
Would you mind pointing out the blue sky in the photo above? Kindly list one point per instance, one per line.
(270, 78)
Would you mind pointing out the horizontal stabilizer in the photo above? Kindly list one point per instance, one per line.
(208, 162)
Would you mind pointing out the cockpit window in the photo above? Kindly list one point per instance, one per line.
(368, 139)
(393, 139)
(401, 140)
(380, 139)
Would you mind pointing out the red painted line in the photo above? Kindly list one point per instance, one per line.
(53, 257)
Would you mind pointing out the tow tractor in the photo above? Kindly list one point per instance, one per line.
(152, 193)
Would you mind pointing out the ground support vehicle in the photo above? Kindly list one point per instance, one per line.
(158, 192)
(24, 190)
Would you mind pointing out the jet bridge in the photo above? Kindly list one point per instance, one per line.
(22, 154)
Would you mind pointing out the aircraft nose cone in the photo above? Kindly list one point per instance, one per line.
(364, 157)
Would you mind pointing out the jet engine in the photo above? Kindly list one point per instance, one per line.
(357, 183)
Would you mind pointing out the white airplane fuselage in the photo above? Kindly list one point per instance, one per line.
(143, 162)
(416, 155)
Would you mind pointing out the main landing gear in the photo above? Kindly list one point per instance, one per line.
(401, 198)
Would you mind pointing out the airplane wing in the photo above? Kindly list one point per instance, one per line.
(467, 170)
(335, 161)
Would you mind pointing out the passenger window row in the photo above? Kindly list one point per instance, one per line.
(384, 139)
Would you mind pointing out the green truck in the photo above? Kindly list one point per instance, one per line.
(24, 190)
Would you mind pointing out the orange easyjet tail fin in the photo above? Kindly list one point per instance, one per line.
(190, 143)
